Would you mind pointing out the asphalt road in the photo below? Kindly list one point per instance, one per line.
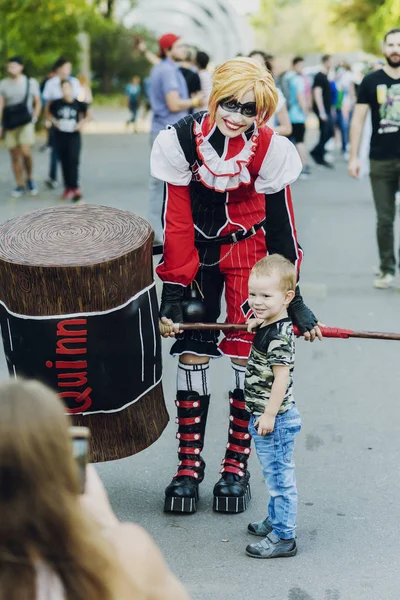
(347, 391)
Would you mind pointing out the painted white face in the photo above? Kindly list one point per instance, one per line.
(232, 124)
(266, 299)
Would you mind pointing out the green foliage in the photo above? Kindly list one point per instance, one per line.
(386, 17)
(362, 14)
(114, 59)
(287, 27)
(41, 30)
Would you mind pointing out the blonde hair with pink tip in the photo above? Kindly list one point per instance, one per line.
(235, 77)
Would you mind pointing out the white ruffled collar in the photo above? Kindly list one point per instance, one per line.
(216, 172)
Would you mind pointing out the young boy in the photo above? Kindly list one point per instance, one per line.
(274, 418)
(69, 116)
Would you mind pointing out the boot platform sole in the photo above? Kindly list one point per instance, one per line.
(232, 504)
(180, 504)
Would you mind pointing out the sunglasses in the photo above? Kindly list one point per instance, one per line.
(249, 109)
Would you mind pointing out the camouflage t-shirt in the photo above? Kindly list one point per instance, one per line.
(272, 345)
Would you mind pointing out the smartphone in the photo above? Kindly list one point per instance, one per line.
(80, 437)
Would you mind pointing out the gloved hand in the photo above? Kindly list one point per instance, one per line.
(300, 314)
(171, 299)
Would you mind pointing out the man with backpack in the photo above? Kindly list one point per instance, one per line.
(20, 107)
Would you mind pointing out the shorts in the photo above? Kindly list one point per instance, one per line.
(231, 276)
(298, 132)
(21, 136)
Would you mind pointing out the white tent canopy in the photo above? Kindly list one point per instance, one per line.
(211, 25)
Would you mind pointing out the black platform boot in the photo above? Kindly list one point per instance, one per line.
(232, 491)
(182, 493)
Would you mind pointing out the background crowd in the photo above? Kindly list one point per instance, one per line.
(177, 83)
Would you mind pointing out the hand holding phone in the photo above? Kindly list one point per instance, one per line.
(80, 437)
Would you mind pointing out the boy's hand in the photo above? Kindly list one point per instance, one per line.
(252, 323)
(265, 423)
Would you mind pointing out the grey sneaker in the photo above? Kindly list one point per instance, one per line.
(272, 547)
(261, 528)
(32, 187)
(51, 184)
(18, 191)
(384, 281)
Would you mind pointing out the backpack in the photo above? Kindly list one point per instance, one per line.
(284, 85)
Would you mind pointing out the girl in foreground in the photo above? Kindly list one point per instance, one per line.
(55, 543)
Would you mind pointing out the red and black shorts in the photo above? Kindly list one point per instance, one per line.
(231, 276)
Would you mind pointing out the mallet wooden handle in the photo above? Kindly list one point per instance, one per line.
(328, 332)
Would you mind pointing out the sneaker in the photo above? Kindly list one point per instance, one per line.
(67, 195)
(384, 281)
(51, 184)
(18, 191)
(261, 528)
(321, 161)
(329, 158)
(326, 164)
(272, 547)
(32, 187)
(76, 194)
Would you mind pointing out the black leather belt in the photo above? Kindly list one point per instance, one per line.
(231, 238)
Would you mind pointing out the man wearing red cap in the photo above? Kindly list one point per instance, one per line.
(170, 102)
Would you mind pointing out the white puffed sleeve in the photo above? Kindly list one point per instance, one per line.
(281, 166)
(167, 160)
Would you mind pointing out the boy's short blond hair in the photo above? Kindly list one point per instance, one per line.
(235, 77)
(276, 263)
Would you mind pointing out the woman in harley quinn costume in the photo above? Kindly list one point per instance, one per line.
(227, 204)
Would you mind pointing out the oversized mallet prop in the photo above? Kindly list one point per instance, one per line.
(328, 332)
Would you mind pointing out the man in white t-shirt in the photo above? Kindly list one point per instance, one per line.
(52, 91)
(17, 90)
(202, 60)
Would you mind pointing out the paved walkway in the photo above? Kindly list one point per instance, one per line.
(347, 391)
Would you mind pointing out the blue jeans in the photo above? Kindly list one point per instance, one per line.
(275, 453)
(343, 123)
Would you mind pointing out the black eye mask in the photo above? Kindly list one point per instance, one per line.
(249, 109)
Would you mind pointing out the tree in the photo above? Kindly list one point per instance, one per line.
(288, 27)
(41, 30)
(362, 14)
(386, 17)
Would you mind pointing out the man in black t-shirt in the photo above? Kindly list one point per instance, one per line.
(379, 92)
(322, 105)
(191, 75)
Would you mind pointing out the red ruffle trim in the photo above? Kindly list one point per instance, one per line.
(199, 138)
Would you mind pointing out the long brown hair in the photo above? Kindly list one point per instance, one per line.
(40, 514)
